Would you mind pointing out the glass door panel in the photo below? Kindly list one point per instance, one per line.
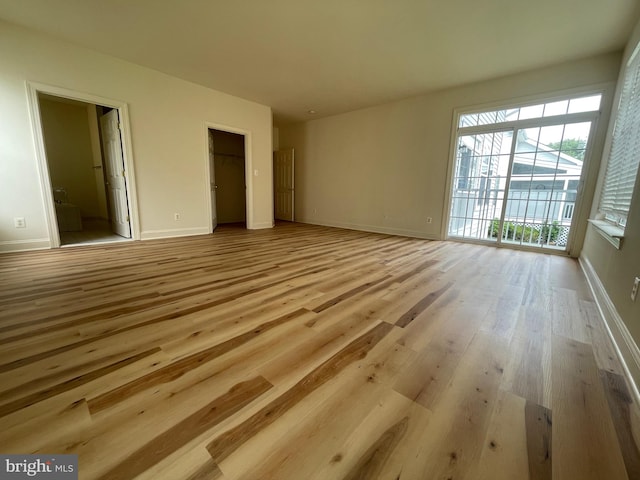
(480, 178)
(545, 174)
(518, 172)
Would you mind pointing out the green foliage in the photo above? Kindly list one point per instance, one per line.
(549, 233)
(493, 228)
(574, 147)
(546, 233)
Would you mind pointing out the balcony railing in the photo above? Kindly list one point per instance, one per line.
(532, 217)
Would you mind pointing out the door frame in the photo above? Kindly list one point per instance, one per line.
(33, 89)
(248, 173)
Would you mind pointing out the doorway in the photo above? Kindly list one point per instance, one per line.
(87, 175)
(518, 173)
(227, 171)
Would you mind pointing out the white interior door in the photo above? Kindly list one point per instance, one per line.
(212, 183)
(115, 173)
(283, 173)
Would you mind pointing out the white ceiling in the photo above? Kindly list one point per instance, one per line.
(334, 55)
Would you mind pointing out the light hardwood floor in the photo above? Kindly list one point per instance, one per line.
(306, 352)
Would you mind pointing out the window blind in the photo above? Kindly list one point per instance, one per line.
(624, 156)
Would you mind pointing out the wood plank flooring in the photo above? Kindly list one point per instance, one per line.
(305, 352)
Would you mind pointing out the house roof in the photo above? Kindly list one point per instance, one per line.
(334, 56)
(528, 151)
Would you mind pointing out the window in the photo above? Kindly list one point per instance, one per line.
(549, 109)
(517, 171)
(624, 156)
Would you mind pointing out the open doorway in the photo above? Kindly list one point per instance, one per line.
(86, 170)
(227, 178)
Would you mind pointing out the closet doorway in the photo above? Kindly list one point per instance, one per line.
(227, 178)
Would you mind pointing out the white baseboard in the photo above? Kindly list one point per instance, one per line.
(173, 232)
(625, 345)
(370, 228)
(260, 225)
(7, 246)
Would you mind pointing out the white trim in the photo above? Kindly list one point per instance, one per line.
(46, 194)
(132, 196)
(566, 119)
(612, 233)
(633, 55)
(451, 165)
(588, 175)
(248, 171)
(33, 88)
(370, 228)
(534, 99)
(174, 232)
(7, 246)
(261, 225)
(628, 352)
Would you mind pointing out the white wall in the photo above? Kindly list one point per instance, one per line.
(616, 269)
(385, 168)
(168, 118)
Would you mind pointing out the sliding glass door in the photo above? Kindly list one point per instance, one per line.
(479, 183)
(518, 172)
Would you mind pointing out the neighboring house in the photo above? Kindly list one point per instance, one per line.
(548, 178)
(542, 187)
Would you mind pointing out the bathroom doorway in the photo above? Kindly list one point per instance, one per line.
(87, 174)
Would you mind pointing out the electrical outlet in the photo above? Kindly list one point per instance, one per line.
(634, 290)
(429, 219)
(19, 222)
(176, 216)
